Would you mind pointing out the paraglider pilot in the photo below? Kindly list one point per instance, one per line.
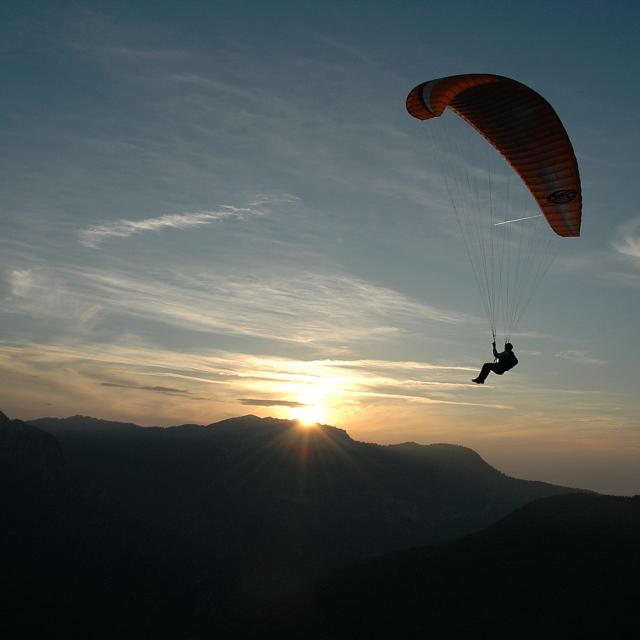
(504, 361)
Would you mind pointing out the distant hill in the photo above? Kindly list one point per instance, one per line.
(30, 459)
(565, 566)
(65, 546)
(180, 529)
(313, 495)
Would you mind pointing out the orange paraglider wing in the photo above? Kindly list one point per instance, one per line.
(523, 127)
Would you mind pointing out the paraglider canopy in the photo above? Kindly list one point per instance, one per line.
(523, 127)
(506, 231)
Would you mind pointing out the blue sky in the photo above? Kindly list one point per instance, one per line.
(211, 209)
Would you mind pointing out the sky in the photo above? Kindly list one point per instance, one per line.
(215, 209)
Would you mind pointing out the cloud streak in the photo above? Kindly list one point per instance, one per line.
(580, 357)
(269, 403)
(94, 235)
(628, 241)
(156, 389)
(308, 309)
(239, 380)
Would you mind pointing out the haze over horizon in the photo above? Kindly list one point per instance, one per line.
(210, 211)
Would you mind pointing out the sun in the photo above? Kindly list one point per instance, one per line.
(311, 399)
(308, 415)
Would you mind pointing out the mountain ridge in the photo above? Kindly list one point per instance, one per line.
(420, 492)
(207, 526)
(52, 424)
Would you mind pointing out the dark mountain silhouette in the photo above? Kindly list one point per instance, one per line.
(29, 457)
(68, 553)
(565, 566)
(183, 529)
(313, 495)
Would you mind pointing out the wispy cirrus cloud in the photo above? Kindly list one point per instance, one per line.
(256, 402)
(156, 389)
(94, 235)
(627, 241)
(218, 382)
(407, 365)
(581, 357)
(327, 310)
(20, 282)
